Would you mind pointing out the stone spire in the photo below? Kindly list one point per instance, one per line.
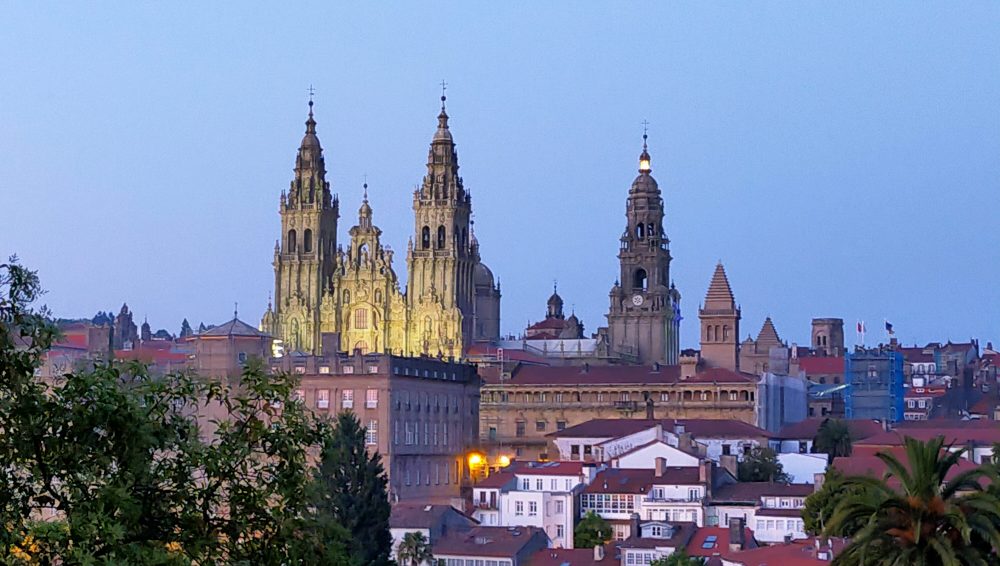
(365, 212)
(309, 185)
(719, 295)
(768, 335)
(555, 304)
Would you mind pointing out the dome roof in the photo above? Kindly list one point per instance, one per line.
(645, 183)
(482, 276)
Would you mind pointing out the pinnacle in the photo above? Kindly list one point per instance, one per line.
(720, 294)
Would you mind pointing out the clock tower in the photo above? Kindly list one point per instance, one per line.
(644, 316)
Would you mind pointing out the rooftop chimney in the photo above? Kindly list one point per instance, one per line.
(598, 553)
(636, 531)
(728, 463)
(736, 532)
(661, 465)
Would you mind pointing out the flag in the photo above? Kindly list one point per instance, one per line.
(888, 328)
(861, 327)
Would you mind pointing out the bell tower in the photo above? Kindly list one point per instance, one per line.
(720, 323)
(644, 315)
(440, 257)
(304, 256)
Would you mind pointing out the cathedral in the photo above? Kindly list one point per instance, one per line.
(644, 315)
(450, 299)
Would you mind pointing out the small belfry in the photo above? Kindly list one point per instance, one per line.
(644, 315)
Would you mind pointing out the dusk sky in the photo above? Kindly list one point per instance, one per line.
(841, 159)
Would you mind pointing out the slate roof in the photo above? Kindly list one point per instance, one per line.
(234, 327)
(822, 365)
(405, 515)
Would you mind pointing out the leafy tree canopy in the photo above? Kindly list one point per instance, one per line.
(593, 530)
(111, 466)
(761, 464)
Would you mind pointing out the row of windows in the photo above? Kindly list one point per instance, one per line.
(426, 402)
(540, 485)
(783, 503)
(641, 557)
(416, 372)
(346, 398)
(794, 525)
(716, 333)
(622, 396)
(413, 475)
(607, 503)
(472, 562)
(436, 435)
(292, 243)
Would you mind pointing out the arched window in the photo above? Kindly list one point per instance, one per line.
(307, 240)
(639, 280)
(347, 297)
(640, 231)
(651, 230)
(708, 334)
(725, 332)
(362, 346)
(291, 246)
(425, 238)
(440, 239)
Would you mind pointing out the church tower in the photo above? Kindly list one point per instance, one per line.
(440, 261)
(644, 316)
(304, 257)
(720, 323)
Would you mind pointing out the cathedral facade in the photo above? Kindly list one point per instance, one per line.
(450, 299)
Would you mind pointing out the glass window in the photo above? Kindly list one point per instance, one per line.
(519, 508)
(361, 319)
(539, 484)
(371, 398)
(532, 508)
(347, 399)
(323, 399)
(371, 433)
(539, 426)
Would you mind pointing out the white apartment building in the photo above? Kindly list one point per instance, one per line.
(533, 494)
(772, 510)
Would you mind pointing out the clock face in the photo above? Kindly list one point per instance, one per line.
(637, 300)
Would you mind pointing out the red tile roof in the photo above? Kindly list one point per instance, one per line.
(752, 492)
(627, 480)
(501, 542)
(873, 466)
(698, 428)
(571, 557)
(979, 435)
(696, 546)
(822, 365)
(619, 374)
(807, 429)
(796, 553)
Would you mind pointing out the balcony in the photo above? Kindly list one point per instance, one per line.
(627, 405)
(486, 505)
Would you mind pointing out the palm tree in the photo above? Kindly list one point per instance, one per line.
(414, 550)
(925, 520)
(833, 438)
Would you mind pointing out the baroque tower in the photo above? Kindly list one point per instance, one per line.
(644, 317)
(441, 259)
(720, 323)
(304, 257)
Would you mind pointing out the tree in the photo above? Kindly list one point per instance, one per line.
(820, 505)
(414, 550)
(591, 531)
(679, 558)
(111, 466)
(761, 465)
(916, 514)
(186, 329)
(833, 438)
(350, 490)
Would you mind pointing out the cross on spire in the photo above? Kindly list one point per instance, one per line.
(236, 310)
(311, 91)
(366, 187)
(645, 131)
(444, 87)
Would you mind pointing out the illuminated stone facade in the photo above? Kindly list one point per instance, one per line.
(320, 287)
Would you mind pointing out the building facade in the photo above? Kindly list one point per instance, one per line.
(320, 287)
(644, 316)
(420, 414)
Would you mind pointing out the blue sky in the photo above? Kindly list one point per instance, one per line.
(841, 159)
